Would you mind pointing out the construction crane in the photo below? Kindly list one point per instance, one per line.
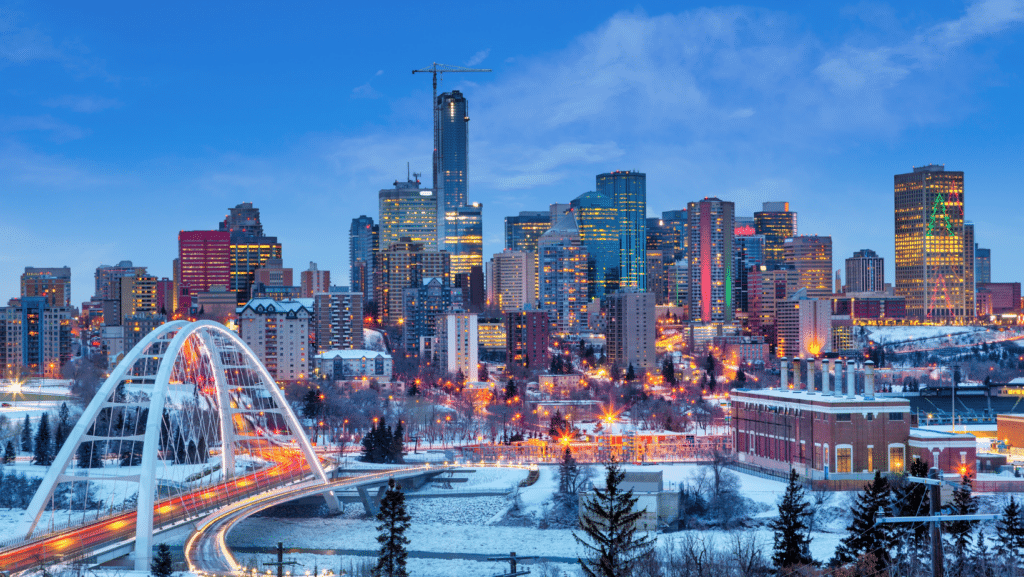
(438, 70)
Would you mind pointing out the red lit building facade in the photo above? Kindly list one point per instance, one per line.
(204, 258)
(999, 297)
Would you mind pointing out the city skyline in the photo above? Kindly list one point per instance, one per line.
(90, 130)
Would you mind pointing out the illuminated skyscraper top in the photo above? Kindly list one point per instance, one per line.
(930, 244)
(408, 211)
(711, 228)
(451, 164)
(628, 189)
(776, 223)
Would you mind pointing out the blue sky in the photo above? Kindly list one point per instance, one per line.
(124, 123)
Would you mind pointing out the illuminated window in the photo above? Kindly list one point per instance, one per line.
(896, 458)
(844, 459)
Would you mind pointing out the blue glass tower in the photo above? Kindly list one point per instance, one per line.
(450, 159)
(599, 231)
(628, 189)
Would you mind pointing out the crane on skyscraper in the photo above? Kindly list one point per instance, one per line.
(439, 70)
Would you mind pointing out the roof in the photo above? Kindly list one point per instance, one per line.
(933, 434)
(565, 228)
(352, 354)
(269, 305)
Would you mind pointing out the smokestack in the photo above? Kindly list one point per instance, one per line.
(869, 380)
(796, 373)
(783, 373)
(810, 375)
(826, 383)
(851, 384)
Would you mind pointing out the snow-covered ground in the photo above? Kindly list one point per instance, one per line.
(937, 335)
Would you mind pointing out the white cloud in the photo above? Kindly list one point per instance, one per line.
(59, 130)
(365, 91)
(83, 103)
(478, 57)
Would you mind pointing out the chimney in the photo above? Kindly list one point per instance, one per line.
(851, 384)
(783, 373)
(796, 373)
(826, 383)
(869, 380)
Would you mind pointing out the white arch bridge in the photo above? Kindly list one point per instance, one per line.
(189, 421)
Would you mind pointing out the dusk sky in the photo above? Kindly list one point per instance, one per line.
(124, 123)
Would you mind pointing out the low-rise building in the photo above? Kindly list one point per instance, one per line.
(278, 333)
(354, 364)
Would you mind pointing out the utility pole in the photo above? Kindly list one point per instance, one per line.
(280, 563)
(935, 518)
(513, 563)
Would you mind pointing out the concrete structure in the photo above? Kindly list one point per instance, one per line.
(451, 159)
(748, 253)
(982, 265)
(250, 249)
(337, 321)
(711, 260)
(137, 295)
(930, 244)
(628, 189)
(742, 349)
(457, 343)
(35, 337)
(631, 329)
(423, 305)
(811, 256)
(563, 276)
(865, 272)
(804, 326)
(875, 306)
(528, 334)
(767, 287)
(353, 364)
(278, 333)
(511, 280)
(315, 281)
(405, 265)
(408, 211)
(776, 223)
(491, 338)
(54, 284)
(106, 279)
(1003, 296)
(204, 261)
(659, 507)
(523, 231)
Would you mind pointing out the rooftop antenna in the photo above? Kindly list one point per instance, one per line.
(407, 176)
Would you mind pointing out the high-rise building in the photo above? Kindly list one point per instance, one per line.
(563, 276)
(628, 189)
(631, 327)
(804, 326)
(930, 250)
(423, 305)
(659, 275)
(337, 321)
(250, 249)
(458, 343)
(811, 256)
(405, 265)
(315, 281)
(528, 333)
(982, 265)
(273, 273)
(53, 283)
(35, 336)
(204, 261)
(676, 219)
(464, 239)
(408, 211)
(278, 333)
(362, 241)
(748, 252)
(451, 164)
(107, 286)
(137, 296)
(661, 236)
(767, 286)
(474, 292)
(165, 297)
(522, 231)
(511, 280)
(776, 223)
(865, 272)
(970, 296)
(598, 227)
(711, 260)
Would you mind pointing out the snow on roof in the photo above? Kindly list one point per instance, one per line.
(933, 434)
(1017, 381)
(273, 306)
(352, 354)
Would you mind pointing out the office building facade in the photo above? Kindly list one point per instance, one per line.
(598, 226)
(528, 333)
(457, 343)
(337, 321)
(776, 223)
(982, 265)
(36, 337)
(562, 276)
(408, 211)
(511, 279)
(314, 281)
(811, 256)
(748, 252)
(523, 231)
(929, 221)
(250, 249)
(464, 239)
(204, 261)
(362, 242)
(628, 189)
(278, 333)
(711, 260)
(451, 162)
(53, 284)
(404, 265)
(631, 329)
(865, 272)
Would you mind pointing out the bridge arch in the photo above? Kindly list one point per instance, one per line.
(188, 418)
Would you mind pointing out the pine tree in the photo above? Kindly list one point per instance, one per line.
(26, 436)
(10, 453)
(911, 500)
(568, 473)
(368, 445)
(963, 503)
(396, 451)
(393, 523)
(63, 428)
(668, 371)
(161, 565)
(180, 455)
(630, 373)
(865, 536)
(609, 524)
(43, 449)
(1010, 532)
(202, 451)
(89, 456)
(792, 543)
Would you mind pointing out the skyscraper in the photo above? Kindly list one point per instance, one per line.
(711, 260)
(982, 265)
(405, 265)
(362, 241)
(53, 283)
(522, 231)
(930, 250)
(204, 261)
(598, 227)
(563, 276)
(249, 248)
(748, 252)
(451, 163)
(676, 219)
(628, 189)
(314, 281)
(811, 256)
(865, 272)
(631, 329)
(408, 211)
(464, 239)
(511, 280)
(970, 291)
(776, 223)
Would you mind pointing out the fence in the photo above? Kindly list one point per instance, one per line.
(647, 449)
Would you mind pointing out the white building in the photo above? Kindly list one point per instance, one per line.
(457, 343)
(354, 364)
(511, 280)
(804, 326)
(278, 332)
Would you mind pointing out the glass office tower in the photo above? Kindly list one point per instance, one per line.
(464, 240)
(776, 223)
(598, 228)
(628, 189)
(451, 163)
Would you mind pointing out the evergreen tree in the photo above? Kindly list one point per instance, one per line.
(312, 402)
(511, 391)
(180, 454)
(89, 456)
(630, 373)
(709, 367)
(368, 445)
(396, 451)
(161, 565)
(193, 453)
(610, 531)
(568, 474)
(26, 436)
(10, 453)
(792, 543)
(202, 451)
(63, 428)
(668, 371)
(741, 377)
(482, 374)
(865, 536)
(911, 500)
(393, 523)
(1010, 533)
(963, 503)
(43, 448)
